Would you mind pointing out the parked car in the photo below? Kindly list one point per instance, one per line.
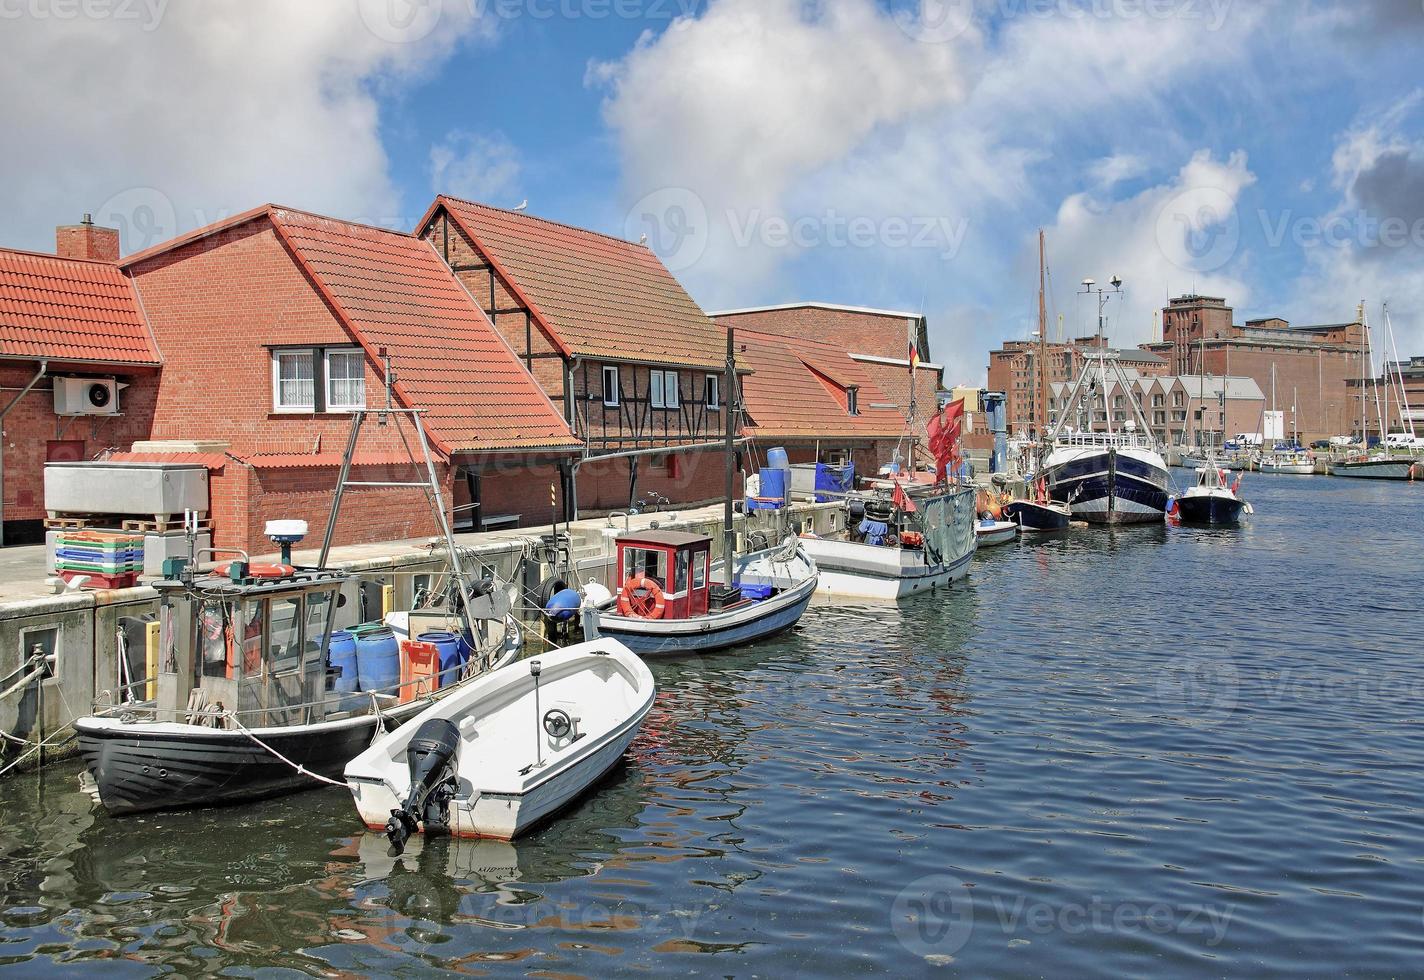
(1320, 444)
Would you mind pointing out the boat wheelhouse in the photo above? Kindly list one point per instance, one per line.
(255, 689)
(670, 601)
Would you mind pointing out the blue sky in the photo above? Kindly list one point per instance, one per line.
(871, 153)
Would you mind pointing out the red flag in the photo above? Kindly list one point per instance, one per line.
(914, 357)
(943, 429)
(902, 500)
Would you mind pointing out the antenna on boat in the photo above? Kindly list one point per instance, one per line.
(534, 668)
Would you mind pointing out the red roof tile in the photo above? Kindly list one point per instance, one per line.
(70, 310)
(797, 389)
(600, 296)
(394, 291)
(213, 461)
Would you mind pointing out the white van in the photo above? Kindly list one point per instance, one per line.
(1403, 440)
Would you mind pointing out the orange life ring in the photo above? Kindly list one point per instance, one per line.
(258, 571)
(913, 539)
(642, 598)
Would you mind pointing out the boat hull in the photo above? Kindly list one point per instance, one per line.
(1292, 469)
(1375, 469)
(1109, 485)
(139, 771)
(1000, 532)
(1209, 509)
(1032, 516)
(869, 580)
(659, 637)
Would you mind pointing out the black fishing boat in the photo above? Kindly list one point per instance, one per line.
(1211, 501)
(1034, 515)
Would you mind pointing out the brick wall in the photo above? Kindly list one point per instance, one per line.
(32, 424)
(1316, 375)
(634, 423)
(880, 335)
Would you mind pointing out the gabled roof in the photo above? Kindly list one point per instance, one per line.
(70, 310)
(598, 296)
(813, 305)
(789, 392)
(392, 290)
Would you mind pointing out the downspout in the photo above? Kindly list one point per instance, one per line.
(570, 473)
(44, 369)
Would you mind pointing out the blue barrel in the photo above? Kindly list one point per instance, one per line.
(452, 654)
(341, 655)
(776, 459)
(377, 657)
(773, 485)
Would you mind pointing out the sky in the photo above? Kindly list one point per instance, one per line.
(896, 154)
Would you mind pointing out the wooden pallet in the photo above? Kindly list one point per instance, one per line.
(157, 526)
(72, 522)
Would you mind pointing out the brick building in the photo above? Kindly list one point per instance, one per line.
(1397, 394)
(817, 402)
(877, 341)
(265, 330)
(1013, 370)
(615, 341)
(67, 321)
(1182, 410)
(1308, 367)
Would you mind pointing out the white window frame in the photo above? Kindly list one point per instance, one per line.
(331, 403)
(655, 390)
(852, 400)
(712, 392)
(610, 388)
(277, 406)
(672, 390)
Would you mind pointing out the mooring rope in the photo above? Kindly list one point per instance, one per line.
(232, 717)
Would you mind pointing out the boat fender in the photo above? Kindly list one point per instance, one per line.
(548, 588)
(258, 571)
(642, 598)
(562, 605)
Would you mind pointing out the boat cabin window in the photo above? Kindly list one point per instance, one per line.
(212, 639)
(680, 585)
(647, 561)
(699, 570)
(284, 644)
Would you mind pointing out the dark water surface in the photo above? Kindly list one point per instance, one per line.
(1156, 751)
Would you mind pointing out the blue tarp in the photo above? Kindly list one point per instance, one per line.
(836, 479)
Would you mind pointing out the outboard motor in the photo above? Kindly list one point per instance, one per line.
(431, 759)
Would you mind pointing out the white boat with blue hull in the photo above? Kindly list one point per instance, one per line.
(1109, 478)
(669, 603)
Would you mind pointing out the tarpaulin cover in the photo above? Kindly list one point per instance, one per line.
(836, 479)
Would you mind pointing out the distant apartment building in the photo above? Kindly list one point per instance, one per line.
(1013, 370)
(1304, 371)
(1181, 410)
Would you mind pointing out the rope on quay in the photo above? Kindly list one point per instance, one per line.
(34, 748)
(232, 717)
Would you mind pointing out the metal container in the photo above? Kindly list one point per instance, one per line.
(125, 488)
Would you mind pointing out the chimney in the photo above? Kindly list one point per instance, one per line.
(87, 240)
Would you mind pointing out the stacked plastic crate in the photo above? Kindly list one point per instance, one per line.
(110, 559)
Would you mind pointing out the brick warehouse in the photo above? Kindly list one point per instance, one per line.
(1312, 366)
(877, 341)
(612, 337)
(268, 327)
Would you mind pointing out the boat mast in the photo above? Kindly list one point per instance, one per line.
(1406, 414)
(1364, 364)
(1042, 420)
(729, 406)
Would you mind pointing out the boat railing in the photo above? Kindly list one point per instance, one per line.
(1105, 440)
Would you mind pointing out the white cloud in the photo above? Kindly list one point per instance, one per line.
(475, 167)
(189, 112)
(1179, 236)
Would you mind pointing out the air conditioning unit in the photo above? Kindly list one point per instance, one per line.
(86, 396)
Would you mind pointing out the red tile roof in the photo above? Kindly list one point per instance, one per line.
(797, 389)
(599, 296)
(213, 461)
(70, 310)
(392, 290)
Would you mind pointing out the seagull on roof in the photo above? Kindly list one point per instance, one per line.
(522, 204)
(643, 240)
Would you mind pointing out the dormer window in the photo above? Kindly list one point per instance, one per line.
(853, 400)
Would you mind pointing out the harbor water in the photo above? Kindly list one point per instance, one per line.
(1160, 750)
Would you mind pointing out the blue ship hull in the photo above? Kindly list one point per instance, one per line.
(646, 643)
(1205, 509)
(1109, 487)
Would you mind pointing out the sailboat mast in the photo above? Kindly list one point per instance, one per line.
(1364, 364)
(729, 406)
(1406, 414)
(1042, 420)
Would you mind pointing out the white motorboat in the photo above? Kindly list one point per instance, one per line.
(1211, 501)
(1286, 462)
(507, 751)
(888, 552)
(991, 532)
